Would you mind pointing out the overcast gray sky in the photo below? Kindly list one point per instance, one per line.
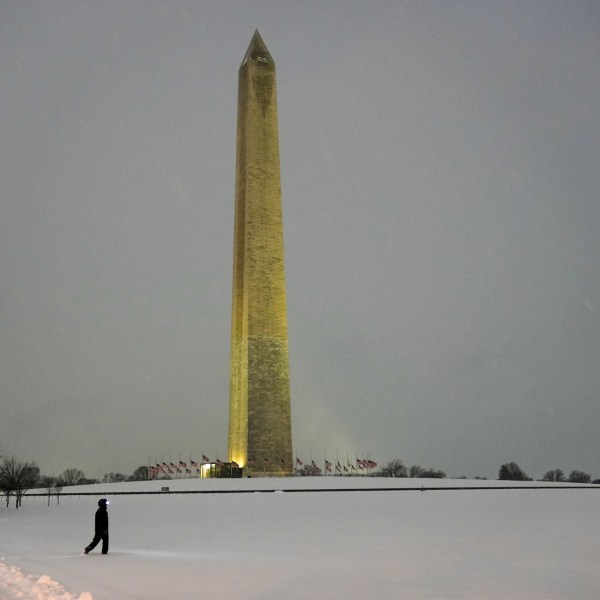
(442, 228)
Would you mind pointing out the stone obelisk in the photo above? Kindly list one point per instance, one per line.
(260, 431)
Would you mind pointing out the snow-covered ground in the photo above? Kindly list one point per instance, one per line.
(487, 544)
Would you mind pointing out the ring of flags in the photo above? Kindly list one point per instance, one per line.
(358, 466)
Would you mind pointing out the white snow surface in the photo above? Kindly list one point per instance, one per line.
(492, 544)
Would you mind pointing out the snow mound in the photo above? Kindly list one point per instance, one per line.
(14, 585)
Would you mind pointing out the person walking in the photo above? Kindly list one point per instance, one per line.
(101, 528)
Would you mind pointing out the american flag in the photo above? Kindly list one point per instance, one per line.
(205, 458)
(299, 462)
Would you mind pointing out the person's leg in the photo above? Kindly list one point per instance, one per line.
(105, 543)
(93, 543)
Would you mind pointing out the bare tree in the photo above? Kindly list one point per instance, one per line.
(433, 474)
(512, 472)
(554, 475)
(17, 477)
(5, 482)
(72, 476)
(7, 477)
(28, 478)
(58, 486)
(47, 482)
(579, 477)
(113, 478)
(394, 468)
(140, 474)
(417, 471)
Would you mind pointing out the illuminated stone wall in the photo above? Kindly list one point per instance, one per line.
(260, 437)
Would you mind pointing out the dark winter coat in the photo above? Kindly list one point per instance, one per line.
(101, 521)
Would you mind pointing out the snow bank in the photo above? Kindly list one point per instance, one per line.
(15, 584)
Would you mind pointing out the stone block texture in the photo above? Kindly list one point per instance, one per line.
(260, 436)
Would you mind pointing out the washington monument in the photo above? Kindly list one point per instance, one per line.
(260, 429)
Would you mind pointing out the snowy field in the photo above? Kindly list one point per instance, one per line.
(491, 544)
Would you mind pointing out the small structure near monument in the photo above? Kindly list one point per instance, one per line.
(220, 470)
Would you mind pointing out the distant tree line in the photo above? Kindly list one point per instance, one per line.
(508, 472)
(18, 477)
(396, 468)
(140, 474)
(512, 472)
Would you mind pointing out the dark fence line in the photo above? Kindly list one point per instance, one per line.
(326, 490)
